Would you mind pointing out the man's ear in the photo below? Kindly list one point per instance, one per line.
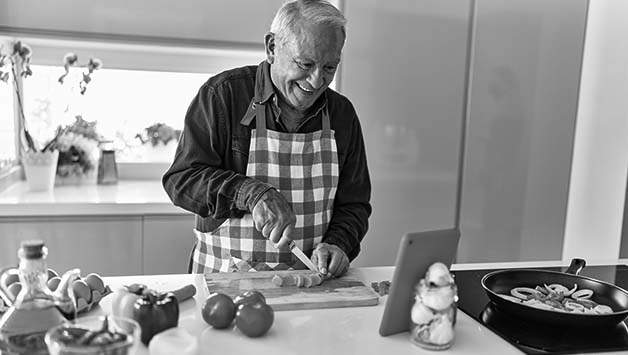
(269, 44)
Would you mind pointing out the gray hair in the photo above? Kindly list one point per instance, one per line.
(314, 11)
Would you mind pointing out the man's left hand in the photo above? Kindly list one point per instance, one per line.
(330, 260)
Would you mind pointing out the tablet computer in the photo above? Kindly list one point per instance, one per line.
(417, 251)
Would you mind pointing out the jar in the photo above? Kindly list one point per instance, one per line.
(433, 315)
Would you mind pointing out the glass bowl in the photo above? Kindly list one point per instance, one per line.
(88, 335)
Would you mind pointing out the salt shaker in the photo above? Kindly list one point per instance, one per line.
(433, 315)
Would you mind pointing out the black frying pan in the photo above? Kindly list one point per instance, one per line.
(501, 282)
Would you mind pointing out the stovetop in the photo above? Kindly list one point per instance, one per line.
(535, 338)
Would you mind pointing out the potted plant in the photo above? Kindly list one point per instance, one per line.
(39, 161)
(77, 145)
(159, 142)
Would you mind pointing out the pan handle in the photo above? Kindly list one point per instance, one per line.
(576, 266)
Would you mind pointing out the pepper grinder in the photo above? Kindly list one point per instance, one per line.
(107, 167)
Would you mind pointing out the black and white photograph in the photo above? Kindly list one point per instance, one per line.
(313, 177)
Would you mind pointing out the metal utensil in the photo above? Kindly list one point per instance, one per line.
(304, 259)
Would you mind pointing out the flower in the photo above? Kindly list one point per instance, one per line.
(71, 59)
(17, 64)
(78, 148)
(76, 154)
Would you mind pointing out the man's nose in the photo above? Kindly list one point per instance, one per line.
(316, 78)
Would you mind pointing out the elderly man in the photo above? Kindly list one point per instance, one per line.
(269, 154)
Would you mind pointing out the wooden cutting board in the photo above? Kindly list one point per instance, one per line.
(346, 291)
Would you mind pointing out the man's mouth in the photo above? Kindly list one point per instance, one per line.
(307, 91)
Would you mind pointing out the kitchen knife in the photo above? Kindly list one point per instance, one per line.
(304, 259)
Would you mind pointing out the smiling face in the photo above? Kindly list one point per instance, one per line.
(303, 64)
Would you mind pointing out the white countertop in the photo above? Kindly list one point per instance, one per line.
(351, 330)
(127, 197)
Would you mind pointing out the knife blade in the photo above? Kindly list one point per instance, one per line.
(304, 259)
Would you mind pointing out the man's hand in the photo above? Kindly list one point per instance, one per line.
(330, 260)
(273, 217)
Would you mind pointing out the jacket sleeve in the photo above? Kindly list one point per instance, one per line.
(197, 180)
(352, 207)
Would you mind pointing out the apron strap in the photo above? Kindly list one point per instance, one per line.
(326, 121)
(260, 117)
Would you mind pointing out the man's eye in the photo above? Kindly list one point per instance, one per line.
(331, 68)
(303, 65)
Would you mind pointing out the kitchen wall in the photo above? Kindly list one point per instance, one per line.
(234, 23)
(598, 196)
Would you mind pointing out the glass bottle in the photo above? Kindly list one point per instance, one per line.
(433, 314)
(35, 309)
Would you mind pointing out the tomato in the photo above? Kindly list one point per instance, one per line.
(251, 296)
(218, 310)
(254, 319)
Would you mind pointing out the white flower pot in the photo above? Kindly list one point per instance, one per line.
(40, 169)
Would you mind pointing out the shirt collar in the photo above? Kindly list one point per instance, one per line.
(265, 92)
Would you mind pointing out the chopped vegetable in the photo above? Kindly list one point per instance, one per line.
(306, 280)
(556, 297)
(582, 294)
(381, 287)
(277, 280)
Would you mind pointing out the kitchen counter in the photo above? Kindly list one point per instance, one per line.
(127, 197)
(351, 330)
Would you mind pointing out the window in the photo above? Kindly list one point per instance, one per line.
(123, 102)
(139, 85)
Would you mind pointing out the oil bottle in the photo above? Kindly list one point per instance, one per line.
(35, 309)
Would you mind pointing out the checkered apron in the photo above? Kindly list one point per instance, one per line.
(303, 167)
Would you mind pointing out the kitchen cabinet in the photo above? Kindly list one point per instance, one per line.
(167, 242)
(107, 245)
(495, 80)
(527, 59)
(407, 83)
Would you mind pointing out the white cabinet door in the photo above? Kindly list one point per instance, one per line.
(167, 243)
(409, 93)
(109, 246)
(522, 113)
